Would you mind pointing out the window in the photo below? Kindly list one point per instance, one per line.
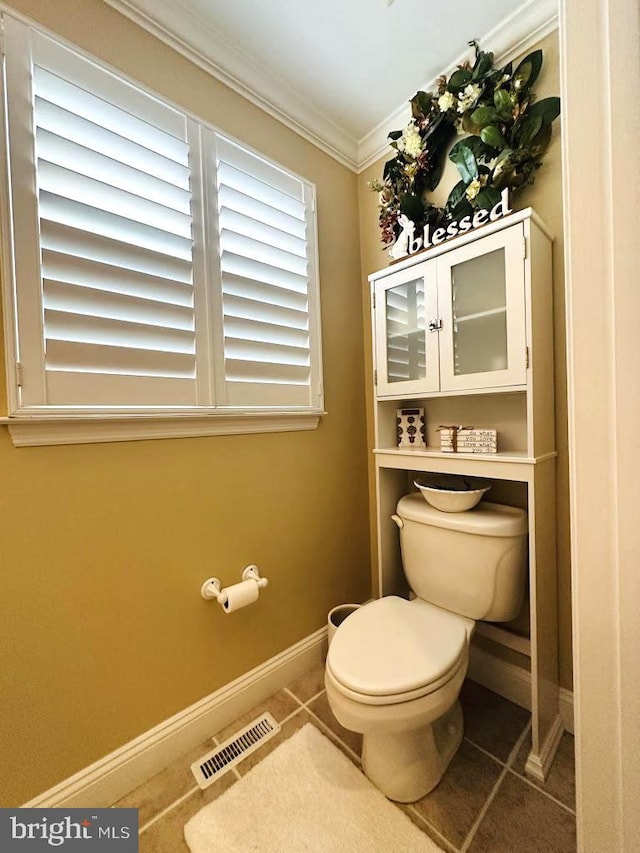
(157, 267)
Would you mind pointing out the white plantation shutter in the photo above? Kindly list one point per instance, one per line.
(115, 242)
(157, 267)
(266, 243)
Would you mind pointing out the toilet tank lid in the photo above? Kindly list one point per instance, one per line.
(485, 519)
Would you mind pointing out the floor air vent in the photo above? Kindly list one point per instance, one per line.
(212, 765)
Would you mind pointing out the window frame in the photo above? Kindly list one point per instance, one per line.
(47, 424)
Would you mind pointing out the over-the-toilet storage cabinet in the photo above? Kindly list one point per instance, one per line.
(465, 330)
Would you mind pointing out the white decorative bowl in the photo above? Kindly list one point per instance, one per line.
(450, 493)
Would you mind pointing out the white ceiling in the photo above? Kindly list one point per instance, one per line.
(342, 71)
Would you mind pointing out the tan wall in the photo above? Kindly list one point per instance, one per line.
(546, 197)
(103, 548)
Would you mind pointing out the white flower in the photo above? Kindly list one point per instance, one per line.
(469, 96)
(410, 142)
(446, 101)
(473, 189)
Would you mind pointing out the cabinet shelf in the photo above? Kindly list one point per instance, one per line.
(504, 465)
(480, 315)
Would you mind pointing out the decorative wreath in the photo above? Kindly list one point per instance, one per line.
(508, 132)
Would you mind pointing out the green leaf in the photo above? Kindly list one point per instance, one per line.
(503, 101)
(433, 215)
(492, 136)
(483, 116)
(502, 156)
(527, 72)
(393, 170)
(548, 109)
(478, 147)
(439, 141)
(394, 134)
(530, 126)
(462, 208)
(456, 195)
(434, 125)
(421, 104)
(503, 169)
(504, 179)
(411, 206)
(540, 141)
(459, 79)
(462, 155)
(487, 198)
(468, 126)
(483, 65)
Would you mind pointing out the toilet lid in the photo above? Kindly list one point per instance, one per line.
(393, 646)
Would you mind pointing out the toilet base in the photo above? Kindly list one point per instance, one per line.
(407, 765)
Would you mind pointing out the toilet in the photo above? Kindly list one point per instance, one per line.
(395, 667)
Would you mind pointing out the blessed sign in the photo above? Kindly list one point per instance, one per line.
(408, 243)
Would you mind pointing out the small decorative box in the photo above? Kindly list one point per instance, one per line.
(466, 439)
(410, 428)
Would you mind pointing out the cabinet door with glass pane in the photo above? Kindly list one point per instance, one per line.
(406, 351)
(481, 299)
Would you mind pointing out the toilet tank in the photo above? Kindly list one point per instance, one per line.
(473, 563)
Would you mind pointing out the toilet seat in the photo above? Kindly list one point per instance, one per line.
(394, 650)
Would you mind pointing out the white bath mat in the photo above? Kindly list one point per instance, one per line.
(305, 797)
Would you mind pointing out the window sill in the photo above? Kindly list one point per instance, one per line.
(40, 430)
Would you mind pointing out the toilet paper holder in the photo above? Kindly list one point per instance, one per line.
(212, 588)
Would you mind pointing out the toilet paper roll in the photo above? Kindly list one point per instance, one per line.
(240, 594)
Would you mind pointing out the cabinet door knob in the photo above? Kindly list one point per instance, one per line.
(435, 325)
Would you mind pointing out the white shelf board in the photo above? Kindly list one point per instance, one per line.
(480, 315)
(505, 465)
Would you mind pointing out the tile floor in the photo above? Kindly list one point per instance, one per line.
(484, 804)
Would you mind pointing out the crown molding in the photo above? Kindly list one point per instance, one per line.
(511, 38)
(201, 43)
(241, 74)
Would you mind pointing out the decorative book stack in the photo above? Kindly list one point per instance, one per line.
(467, 439)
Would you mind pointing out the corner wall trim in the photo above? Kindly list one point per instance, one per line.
(538, 766)
(107, 780)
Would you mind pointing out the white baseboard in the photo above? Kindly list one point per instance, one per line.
(513, 682)
(110, 778)
(107, 780)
